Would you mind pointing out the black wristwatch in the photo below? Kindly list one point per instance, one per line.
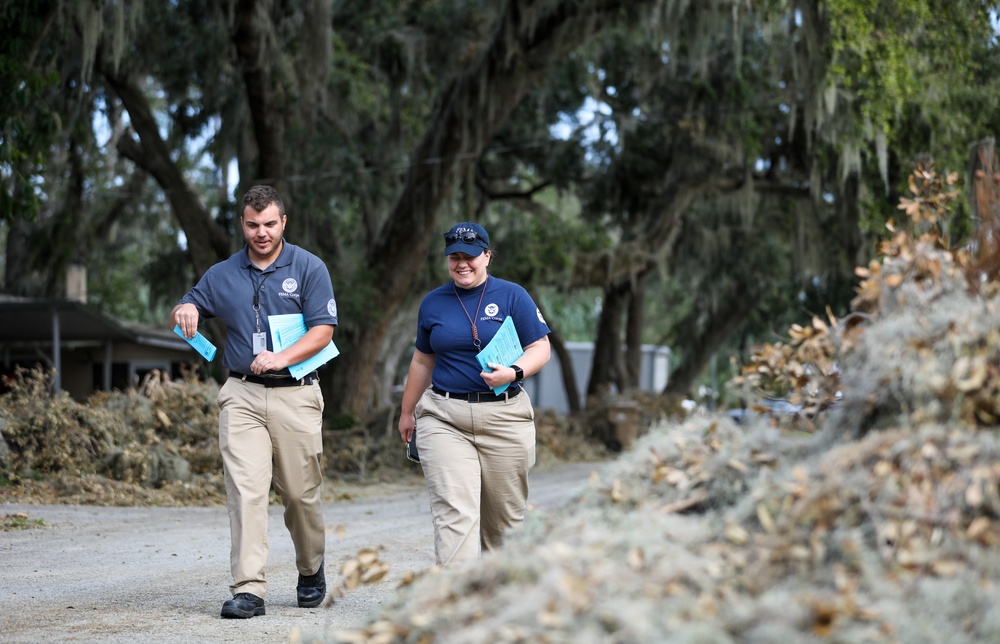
(518, 373)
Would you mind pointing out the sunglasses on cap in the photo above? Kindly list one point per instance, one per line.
(467, 237)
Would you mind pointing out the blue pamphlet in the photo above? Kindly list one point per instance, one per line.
(285, 331)
(504, 348)
(199, 342)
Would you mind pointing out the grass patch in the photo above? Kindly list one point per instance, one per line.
(19, 521)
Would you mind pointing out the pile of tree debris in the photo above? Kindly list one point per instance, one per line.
(880, 524)
(153, 445)
(157, 444)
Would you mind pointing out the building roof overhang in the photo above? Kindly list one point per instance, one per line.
(36, 322)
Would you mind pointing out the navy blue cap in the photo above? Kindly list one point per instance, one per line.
(466, 237)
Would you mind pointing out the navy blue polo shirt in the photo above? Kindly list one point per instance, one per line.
(297, 282)
(443, 329)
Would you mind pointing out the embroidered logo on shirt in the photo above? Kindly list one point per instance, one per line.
(289, 285)
(540, 318)
(331, 307)
(490, 312)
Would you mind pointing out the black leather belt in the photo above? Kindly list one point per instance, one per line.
(479, 396)
(276, 381)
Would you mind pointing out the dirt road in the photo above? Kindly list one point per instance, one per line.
(153, 575)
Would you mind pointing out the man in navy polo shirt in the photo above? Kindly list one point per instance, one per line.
(269, 423)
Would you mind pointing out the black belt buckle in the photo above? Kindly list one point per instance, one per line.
(480, 396)
(307, 379)
(272, 381)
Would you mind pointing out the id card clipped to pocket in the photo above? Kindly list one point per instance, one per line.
(259, 342)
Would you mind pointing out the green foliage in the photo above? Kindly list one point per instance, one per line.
(137, 252)
(889, 55)
(573, 313)
(344, 421)
(28, 122)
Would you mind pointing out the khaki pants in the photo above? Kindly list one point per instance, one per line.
(270, 434)
(475, 458)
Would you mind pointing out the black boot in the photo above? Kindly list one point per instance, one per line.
(243, 605)
(311, 589)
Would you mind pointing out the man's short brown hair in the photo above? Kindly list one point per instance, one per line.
(260, 196)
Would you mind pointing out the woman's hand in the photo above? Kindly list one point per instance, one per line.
(500, 375)
(406, 427)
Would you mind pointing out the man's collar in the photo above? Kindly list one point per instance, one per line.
(284, 257)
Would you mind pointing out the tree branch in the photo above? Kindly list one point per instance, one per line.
(207, 241)
(263, 101)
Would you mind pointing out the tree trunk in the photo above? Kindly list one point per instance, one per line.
(633, 334)
(606, 369)
(16, 279)
(611, 366)
(264, 95)
(66, 235)
(570, 385)
(558, 347)
(721, 324)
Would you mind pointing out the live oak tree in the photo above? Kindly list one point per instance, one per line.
(736, 132)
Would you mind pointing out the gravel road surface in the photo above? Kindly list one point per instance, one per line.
(152, 575)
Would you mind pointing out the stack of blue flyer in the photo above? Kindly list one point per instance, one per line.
(504, 348)
(285, 331)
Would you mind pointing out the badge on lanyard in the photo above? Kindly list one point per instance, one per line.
(259, 338)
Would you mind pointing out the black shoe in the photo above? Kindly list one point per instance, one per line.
(243, 605)
(311, 589)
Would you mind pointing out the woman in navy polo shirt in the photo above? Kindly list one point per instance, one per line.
(475, 446)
